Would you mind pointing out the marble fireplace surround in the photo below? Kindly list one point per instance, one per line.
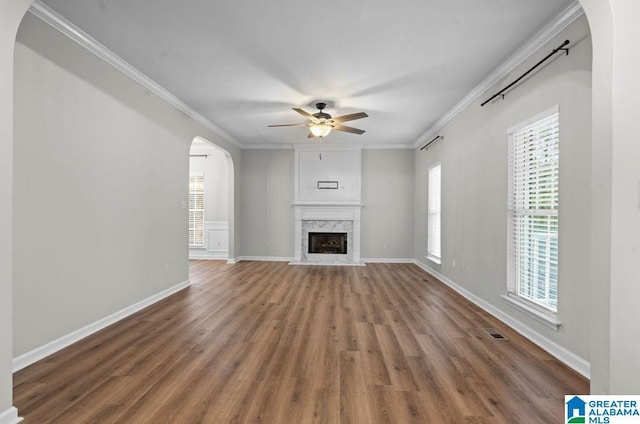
(327, 218)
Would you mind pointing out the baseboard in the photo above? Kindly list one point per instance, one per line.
(569, 358)
(388, 260)
(327, 264)
(50, 348)
(287, 259)
(221, 256)
(10, 416)
(260, 259)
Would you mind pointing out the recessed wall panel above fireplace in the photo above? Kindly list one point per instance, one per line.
(328, 174)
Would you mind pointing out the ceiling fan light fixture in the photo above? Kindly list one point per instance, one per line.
(320, 130)
(320, 124)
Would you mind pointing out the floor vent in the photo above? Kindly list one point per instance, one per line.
(495, 333)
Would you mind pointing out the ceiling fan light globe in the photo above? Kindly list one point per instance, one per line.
(320, 130)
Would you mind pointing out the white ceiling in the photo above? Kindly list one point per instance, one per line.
(243, 64)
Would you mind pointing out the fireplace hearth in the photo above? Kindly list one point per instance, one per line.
(328, 243)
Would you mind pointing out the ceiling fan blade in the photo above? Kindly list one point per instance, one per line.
(305, 114)
(310, 135)
(350, 117)
(288, 125)
(347, 129)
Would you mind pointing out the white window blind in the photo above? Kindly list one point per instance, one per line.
(434, 207)
(196, 210)
(533, 210)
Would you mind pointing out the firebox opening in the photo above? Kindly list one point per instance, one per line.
(330, 243)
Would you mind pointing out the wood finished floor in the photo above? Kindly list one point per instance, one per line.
(273, 343)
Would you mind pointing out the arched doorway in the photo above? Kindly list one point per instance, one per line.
(211, 211)
(615, 196)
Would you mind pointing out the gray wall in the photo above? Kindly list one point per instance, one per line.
(268, 194)
(101, 171)
(474, 187)
(266, 207)
(387, 195)
(216, 182)
(10, 16)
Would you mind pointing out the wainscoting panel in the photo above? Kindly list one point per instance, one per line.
(216, 242)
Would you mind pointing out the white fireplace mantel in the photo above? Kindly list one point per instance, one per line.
(310, 216)
(327, 199)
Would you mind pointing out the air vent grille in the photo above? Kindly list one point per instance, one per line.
(495, 334)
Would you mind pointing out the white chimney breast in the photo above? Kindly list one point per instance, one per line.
(327, 210)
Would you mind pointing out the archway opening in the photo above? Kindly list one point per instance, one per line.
(210, 204)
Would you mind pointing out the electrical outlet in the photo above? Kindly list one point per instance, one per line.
(166, 267)
(453, 262)
(385, 245)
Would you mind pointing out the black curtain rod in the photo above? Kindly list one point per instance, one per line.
(556, 50)
(432, 141)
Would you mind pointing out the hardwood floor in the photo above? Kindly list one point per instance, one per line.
(273, 343)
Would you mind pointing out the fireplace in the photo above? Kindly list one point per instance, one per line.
(328, 243)
(342, 220)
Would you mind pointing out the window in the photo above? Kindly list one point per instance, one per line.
(433, 220)
(196, 210)
(533, 211)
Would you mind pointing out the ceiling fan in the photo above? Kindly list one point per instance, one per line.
(320, 123)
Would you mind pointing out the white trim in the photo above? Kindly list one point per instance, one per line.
(208, 255)
(572, 360)
(388, 260)
(327, 203)
(436, 260)
(218, 225)
(387, 146)
(546, 34)
(261, 259)
(548, 319)
(10, 416)
(50, 16)
(327, 263)
(54, 346)
(208, 258)
(279, 146)
(537, 117)
(293, 146)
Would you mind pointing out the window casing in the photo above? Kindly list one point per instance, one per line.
(533, 211)
(196, 210)
(434, 214)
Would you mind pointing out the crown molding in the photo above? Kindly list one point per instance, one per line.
(284, 146)
(279, 146)
(387, 146)
(57, 21)
(546, 34)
